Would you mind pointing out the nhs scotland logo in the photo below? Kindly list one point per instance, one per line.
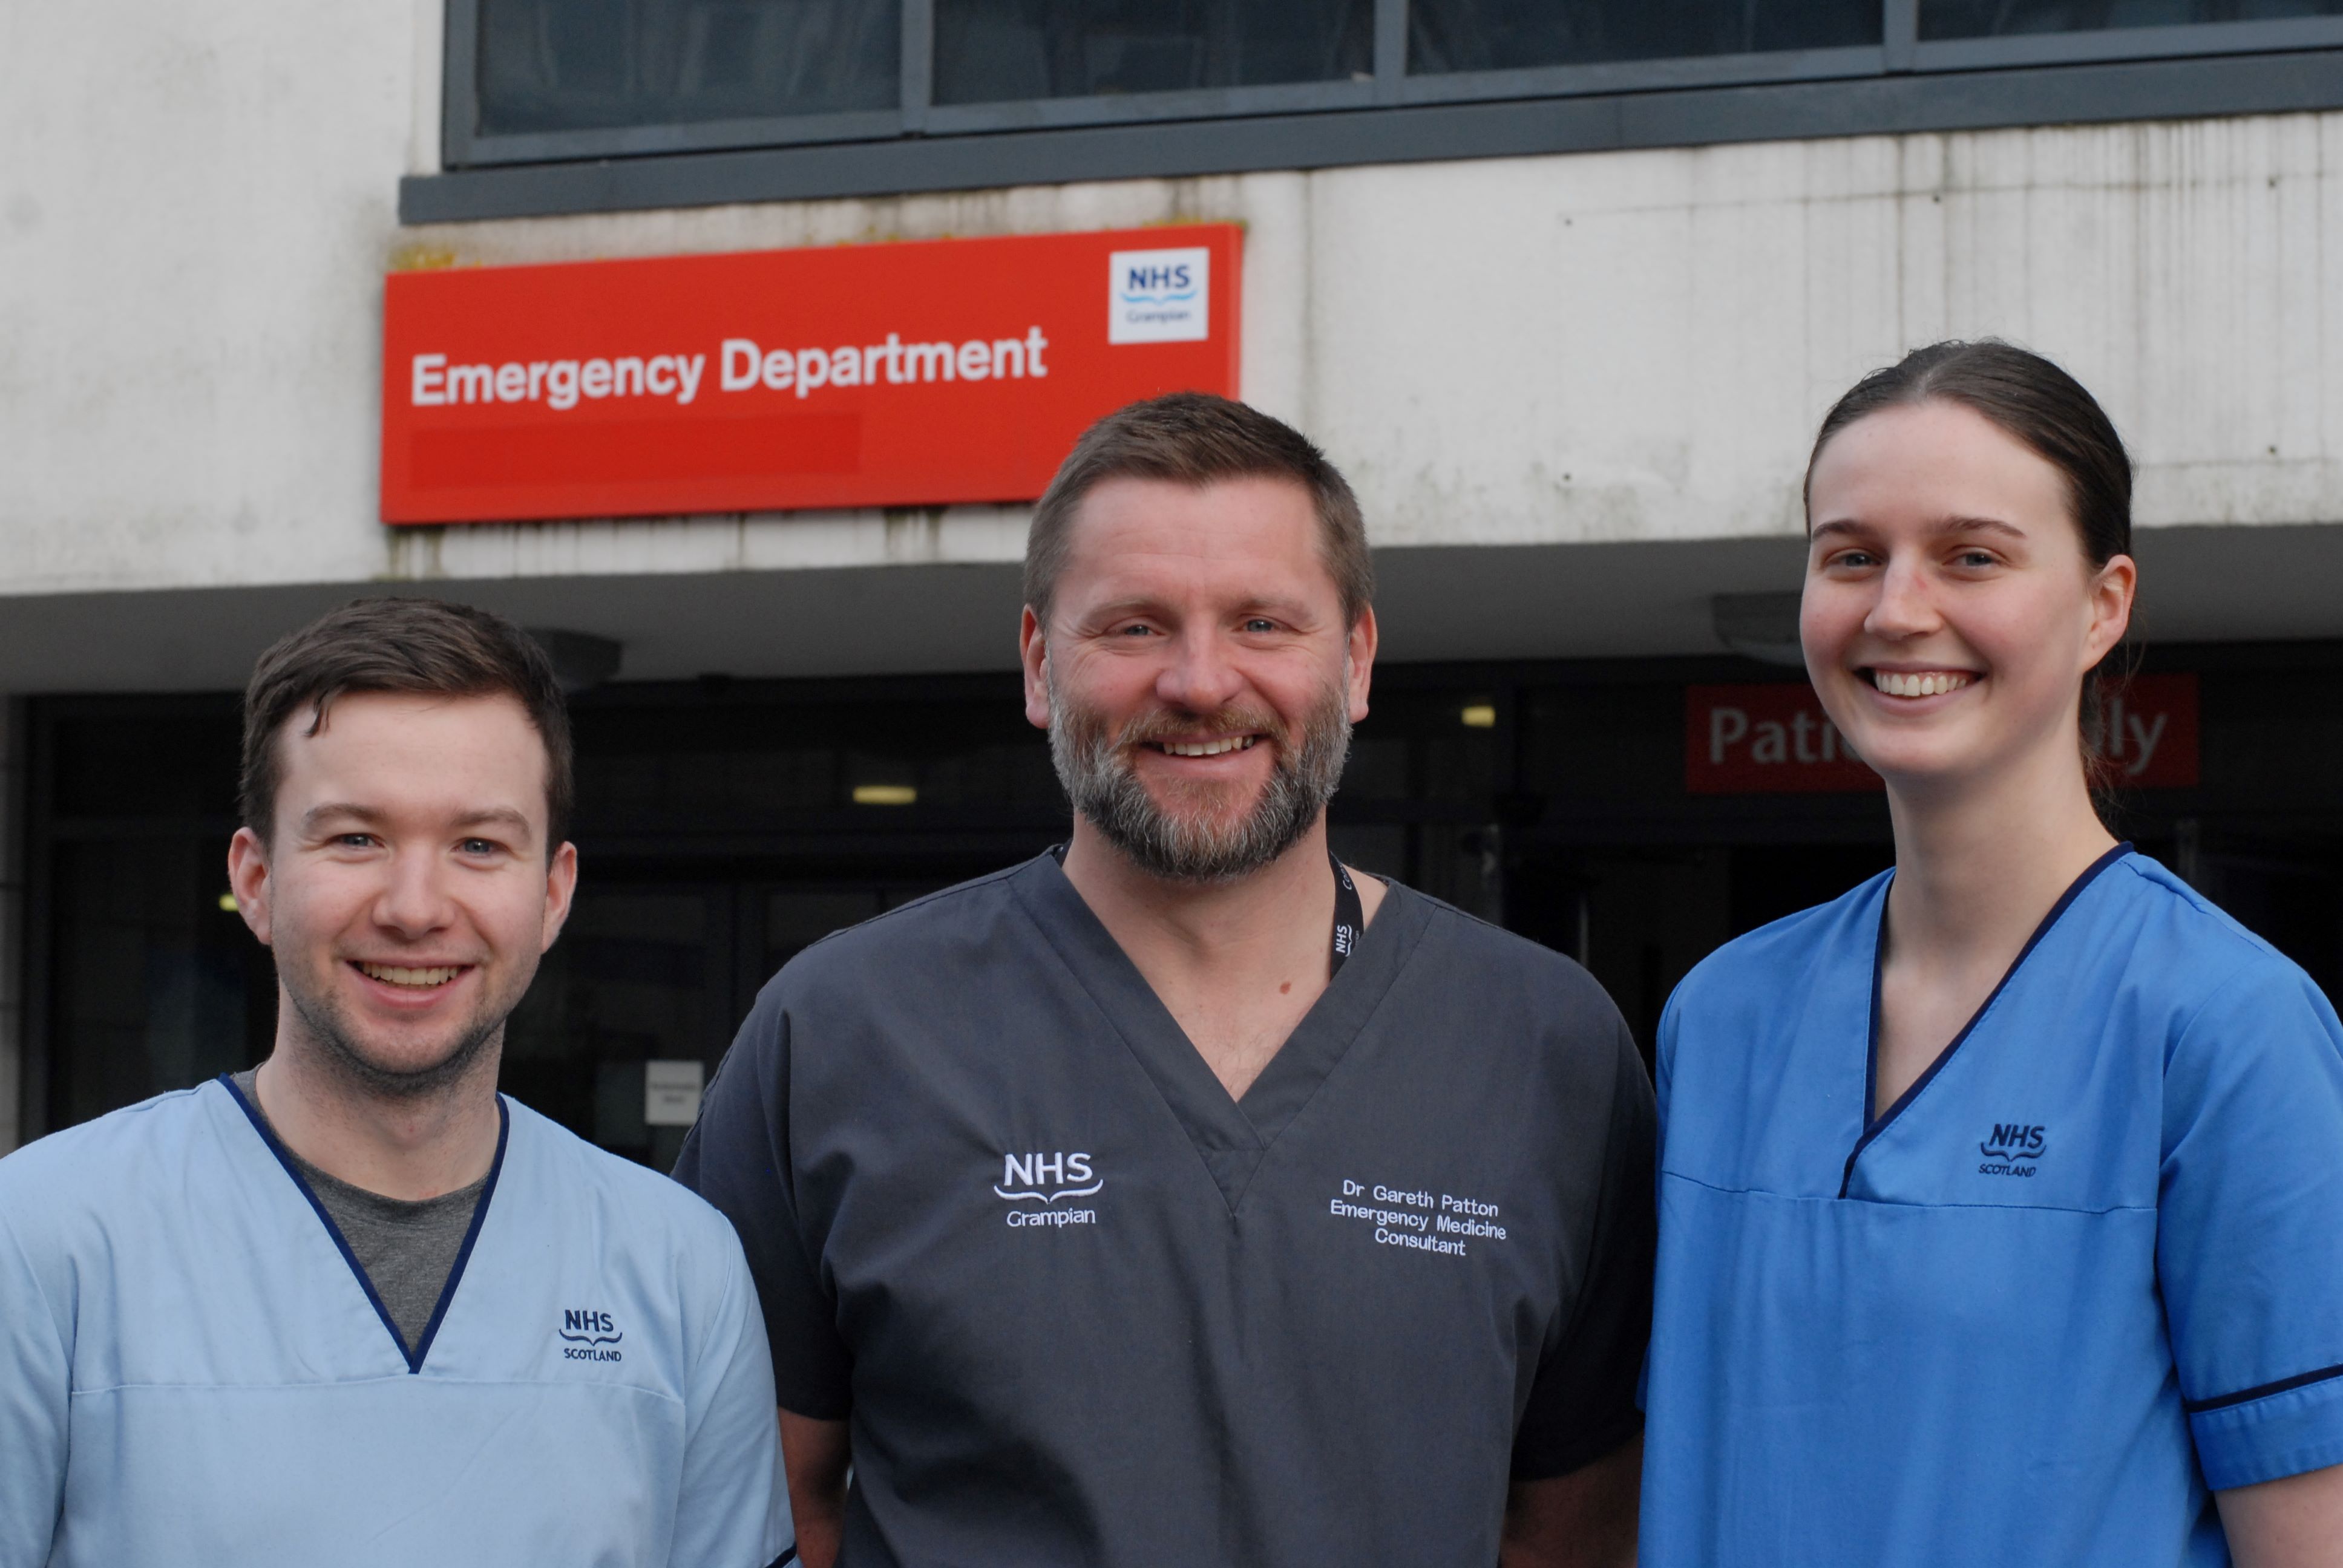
(1159, 295)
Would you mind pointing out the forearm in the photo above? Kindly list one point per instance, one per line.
(814, 1459)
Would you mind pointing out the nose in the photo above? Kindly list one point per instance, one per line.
(414, 902)
(1903, 608)
(1200, 677)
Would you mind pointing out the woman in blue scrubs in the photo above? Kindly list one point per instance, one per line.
(2001, 1200)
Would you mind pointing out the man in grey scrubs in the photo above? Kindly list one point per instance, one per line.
(1179, 1197)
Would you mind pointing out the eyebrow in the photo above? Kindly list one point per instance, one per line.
(1961, 525)
(494, 816)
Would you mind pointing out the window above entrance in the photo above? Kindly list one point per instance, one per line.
(555, 106)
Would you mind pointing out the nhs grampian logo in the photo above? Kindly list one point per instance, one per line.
(1046, 1179)
(589, 1332)
(1159, 295)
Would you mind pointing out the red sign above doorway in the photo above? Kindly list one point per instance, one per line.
(1774, 739)
(1765, 738)
(913, 374)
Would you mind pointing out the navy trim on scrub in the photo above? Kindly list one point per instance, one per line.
(2246, 1396)
(785, 1558)
(1878, 970)
(414, 1358)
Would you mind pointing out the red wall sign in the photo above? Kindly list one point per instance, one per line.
(1766, 739)
(914, 374)
(2149, 733)
(1772, 738)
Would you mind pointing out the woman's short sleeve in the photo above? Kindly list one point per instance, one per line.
(2249, 1249)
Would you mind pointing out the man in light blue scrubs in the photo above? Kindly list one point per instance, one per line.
(354, 1307)
(2085, 1271)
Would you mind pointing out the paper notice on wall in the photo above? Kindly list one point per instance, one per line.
(672, 1092)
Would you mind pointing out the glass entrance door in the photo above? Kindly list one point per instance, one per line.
(662, 973)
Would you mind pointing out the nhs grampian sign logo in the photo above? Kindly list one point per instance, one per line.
(1160, 296)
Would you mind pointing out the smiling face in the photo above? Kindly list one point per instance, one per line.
(407, 891)
(1950, 612)
(1197, 678)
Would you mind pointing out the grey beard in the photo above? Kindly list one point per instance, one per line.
(342, 1057)
(1093, 770)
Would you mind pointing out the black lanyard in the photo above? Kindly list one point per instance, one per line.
(1349, 918)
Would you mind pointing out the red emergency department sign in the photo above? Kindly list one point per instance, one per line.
(1774, 739)
(915, 374)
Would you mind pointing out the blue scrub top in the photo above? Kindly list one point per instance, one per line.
(2088, 1267)
(191, 1372)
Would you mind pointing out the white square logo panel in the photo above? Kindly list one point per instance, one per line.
(1160, 296)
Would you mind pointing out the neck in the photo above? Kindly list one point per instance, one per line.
(396, 1146)
(1979, 863)
(1204, 930)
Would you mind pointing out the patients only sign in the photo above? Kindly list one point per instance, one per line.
(1774, 739)
(914, 374)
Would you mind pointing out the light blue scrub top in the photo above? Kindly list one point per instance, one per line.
(2089, 1266)
(191, 1372)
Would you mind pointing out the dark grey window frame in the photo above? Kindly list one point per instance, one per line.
(1902, 85)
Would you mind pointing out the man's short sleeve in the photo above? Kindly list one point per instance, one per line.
(1584, 1402)
(2249, 1251)
(35, 1382)
(734, 1507)
(738, 1158)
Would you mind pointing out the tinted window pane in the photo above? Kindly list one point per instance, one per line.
(578, 64)
(1993, 18)
(1502, 34)
(989, 50)
(153, 986)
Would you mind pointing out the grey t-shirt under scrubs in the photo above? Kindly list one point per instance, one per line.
(1083, 1307)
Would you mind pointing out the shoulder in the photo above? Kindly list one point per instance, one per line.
(632, 1208)
(2181, 940)
(1752, 968)
(1531, 1014)
(1465, 947)
(905, 941)
(2220, 990)
(118, 1162)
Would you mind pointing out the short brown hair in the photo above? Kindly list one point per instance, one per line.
(423, 647)
(1195, 439)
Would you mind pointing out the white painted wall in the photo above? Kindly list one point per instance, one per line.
(197, 208)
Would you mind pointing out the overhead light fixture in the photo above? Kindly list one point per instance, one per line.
(1759, 626)
(1479, 716)
(884, 794)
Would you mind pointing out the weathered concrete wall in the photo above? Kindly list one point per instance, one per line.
(198, 210)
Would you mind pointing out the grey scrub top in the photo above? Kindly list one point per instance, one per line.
(1081, 1307)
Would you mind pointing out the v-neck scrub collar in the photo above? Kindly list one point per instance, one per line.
(1231, 1135)
(1874, 1126)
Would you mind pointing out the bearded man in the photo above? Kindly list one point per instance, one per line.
(1179, 1197)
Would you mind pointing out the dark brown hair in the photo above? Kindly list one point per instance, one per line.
(2040, 404)
(423, 647)
(1195, 439)
(2027, 397)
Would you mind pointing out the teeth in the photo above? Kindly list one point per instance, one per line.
(393, 974)
(1895, 683)
(1206, 748)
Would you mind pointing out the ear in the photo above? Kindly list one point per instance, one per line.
(2112, 588)
(1360, 651)
(247, 882)
(1033, 653)
(560, 888)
